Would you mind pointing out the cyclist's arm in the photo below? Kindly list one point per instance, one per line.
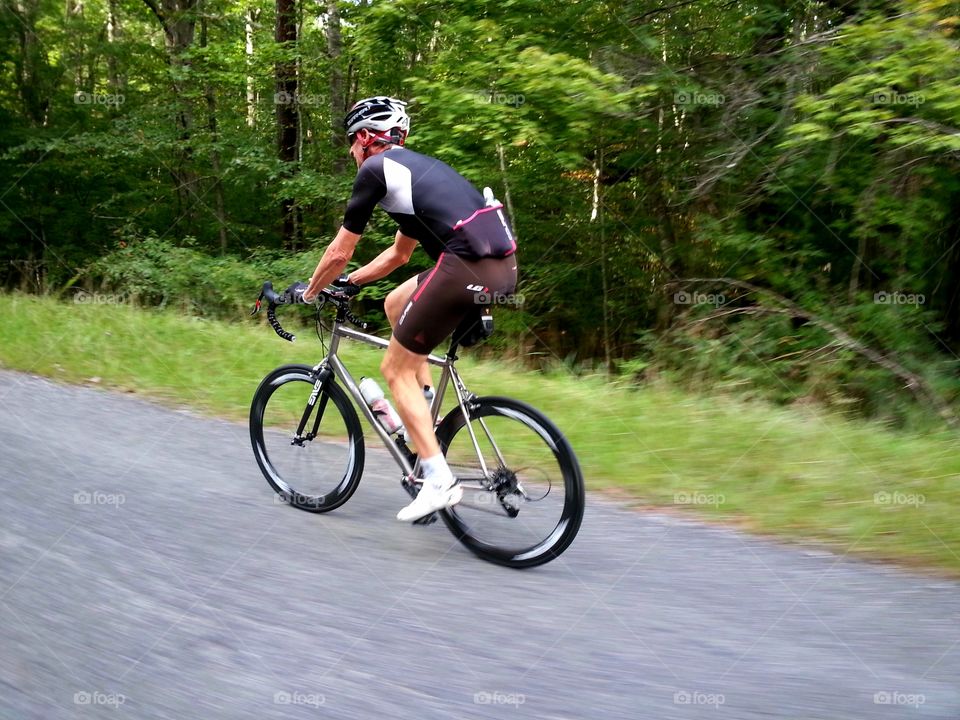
(386, 262)
(333, 262)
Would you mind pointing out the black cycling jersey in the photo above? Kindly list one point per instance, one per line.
(432, 203)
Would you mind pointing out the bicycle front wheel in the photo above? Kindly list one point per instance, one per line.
(523, 490)
(319, 469)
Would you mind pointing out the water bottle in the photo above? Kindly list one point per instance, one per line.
(382, 409)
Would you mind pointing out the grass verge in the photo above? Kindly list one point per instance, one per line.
(856, 486)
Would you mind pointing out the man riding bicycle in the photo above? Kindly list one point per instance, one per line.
(473, 247)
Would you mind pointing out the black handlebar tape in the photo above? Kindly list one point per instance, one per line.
(275, 324)
(355, 320)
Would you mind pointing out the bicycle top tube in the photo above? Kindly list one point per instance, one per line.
(338, 295)
(340, 330)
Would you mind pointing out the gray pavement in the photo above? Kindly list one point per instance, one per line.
(146, 572)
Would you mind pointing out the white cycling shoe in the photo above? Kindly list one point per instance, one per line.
(430, 499)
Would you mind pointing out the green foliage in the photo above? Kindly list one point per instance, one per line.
(809, 148)
(152, 271)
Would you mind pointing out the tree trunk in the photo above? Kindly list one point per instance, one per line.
(73, 14)
(596, 215)
(950, 281)
(178, 19)
(29, 63)
(855, 270)
(287, 114)
(250, 20)
(506, 189)
(337, 99)
(114, 34)
(210, 97)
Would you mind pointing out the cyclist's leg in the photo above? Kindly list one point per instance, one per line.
(393, 305)
(439, 489)
(441, 300)
(429, 315)
(399, 369)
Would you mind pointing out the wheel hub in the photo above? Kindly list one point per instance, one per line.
(504, 483)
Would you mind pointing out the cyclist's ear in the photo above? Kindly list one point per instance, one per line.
(366, 137)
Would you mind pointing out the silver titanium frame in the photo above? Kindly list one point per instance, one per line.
(448, 375)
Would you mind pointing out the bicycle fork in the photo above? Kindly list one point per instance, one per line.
(323, 373)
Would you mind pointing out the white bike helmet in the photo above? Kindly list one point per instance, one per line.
(385, 116)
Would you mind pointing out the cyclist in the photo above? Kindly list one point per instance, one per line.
(470, 241)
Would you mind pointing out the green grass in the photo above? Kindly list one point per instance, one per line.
(791, 473)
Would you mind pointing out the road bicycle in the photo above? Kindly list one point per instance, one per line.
(523, 495)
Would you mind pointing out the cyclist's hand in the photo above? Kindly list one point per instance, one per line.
(343, 287)
(294, 294)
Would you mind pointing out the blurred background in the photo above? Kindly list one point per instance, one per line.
(750, 195)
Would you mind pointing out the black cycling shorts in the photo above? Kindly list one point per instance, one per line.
(446, 293)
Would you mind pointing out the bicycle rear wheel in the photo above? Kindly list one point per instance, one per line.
(319, 470)
(523, 506)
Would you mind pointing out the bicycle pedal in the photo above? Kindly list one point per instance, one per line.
(410, 487)
(426, 519)
(413, 490)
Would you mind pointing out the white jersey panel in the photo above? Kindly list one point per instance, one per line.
(399, 197)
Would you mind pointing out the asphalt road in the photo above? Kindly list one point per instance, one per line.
(146, 572)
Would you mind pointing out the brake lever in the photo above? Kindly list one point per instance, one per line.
(267, 292)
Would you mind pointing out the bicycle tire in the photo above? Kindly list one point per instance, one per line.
(570, 519)
(348, 483)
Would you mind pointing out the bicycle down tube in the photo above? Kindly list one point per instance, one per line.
(342, 374)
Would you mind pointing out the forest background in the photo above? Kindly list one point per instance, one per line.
(749, 197)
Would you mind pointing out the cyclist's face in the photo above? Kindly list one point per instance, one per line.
(356, 149)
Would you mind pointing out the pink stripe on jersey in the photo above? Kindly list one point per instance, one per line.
(429, 277)
(461, 223)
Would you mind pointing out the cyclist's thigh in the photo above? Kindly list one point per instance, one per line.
(397, 298)
(446, 294)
